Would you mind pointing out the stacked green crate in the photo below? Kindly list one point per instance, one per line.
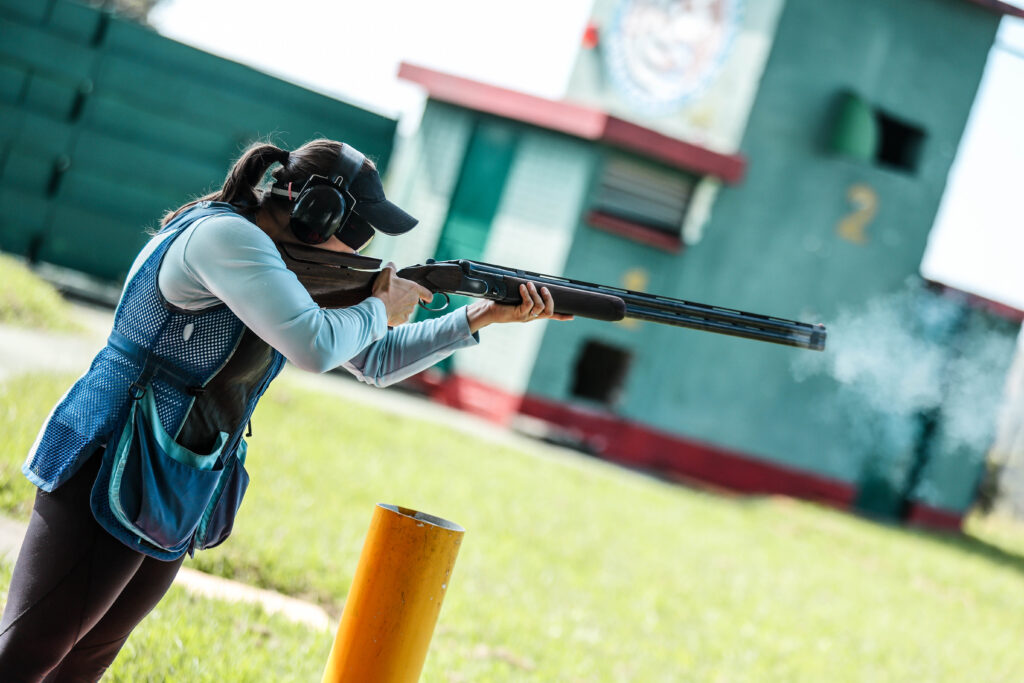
(104, 125)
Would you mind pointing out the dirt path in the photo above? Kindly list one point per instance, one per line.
(12, 532)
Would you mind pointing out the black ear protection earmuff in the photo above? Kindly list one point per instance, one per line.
(323, 207)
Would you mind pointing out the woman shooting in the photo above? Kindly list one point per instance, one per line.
(142, 460)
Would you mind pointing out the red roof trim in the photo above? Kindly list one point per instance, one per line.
(576, 120)
(994, 307)
(1001, 7)
(565, 118)
(728, 167)
(634, 231)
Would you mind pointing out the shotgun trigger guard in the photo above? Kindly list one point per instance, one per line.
(435, 309)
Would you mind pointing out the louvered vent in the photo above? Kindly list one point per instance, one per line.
(644, 194)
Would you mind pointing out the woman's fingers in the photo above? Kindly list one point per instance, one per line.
(527, 309)
(536, 304)
(382, 283)
(399, 295)
(426, 296)
(523, 309)
(549, 302)
(549, 306)
(536, 301)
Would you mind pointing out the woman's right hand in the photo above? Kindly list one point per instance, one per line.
(399, 295)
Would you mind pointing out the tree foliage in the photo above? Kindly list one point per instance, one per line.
(136, 10)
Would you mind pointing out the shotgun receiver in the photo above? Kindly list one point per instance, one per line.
(337, 280)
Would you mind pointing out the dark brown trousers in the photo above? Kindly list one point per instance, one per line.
(76, 593)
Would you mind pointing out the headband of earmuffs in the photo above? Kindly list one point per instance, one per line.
(323, 207)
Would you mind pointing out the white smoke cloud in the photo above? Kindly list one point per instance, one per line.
(915, 351)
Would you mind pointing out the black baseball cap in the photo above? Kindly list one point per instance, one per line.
(370, 212)
(373, 207)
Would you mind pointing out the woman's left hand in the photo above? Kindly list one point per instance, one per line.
(536, 305)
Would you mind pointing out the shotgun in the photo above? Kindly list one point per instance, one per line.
(338, 280)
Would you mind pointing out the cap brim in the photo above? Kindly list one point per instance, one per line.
(386, 217)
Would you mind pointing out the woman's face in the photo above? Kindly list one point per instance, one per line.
(334, 245)
(274, 222)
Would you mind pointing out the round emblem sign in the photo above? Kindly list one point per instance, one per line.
(660, 53)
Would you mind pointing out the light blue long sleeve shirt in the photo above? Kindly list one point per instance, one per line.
(227, 259)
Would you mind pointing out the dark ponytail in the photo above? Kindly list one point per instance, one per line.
(243, 178)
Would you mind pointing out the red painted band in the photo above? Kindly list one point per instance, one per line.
(636, 445)
(634, 231)
(1001, 7)
(576, 120)
(934, 518)
(996, 308)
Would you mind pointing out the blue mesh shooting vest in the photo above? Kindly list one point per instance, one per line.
(206, 370)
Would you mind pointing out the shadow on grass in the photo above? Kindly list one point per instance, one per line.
(960, 540)
(965, 542)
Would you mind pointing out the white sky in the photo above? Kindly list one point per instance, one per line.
(352, 50)
(977, 243)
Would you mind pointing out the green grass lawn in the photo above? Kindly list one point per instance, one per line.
(27, 301)
(574, 570)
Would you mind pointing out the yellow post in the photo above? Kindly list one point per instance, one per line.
(395, 598)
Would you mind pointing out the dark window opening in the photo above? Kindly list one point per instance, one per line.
(865, 132)
(600, 373)
(899, 143)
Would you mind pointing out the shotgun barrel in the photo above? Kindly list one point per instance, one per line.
(338, 280)
(665, 310)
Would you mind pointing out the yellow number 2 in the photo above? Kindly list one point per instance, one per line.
(865, 202)
(634, 279)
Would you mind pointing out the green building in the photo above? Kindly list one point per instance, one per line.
(105, 125)
(790, 164)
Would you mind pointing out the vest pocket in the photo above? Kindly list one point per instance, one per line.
(219, 518)
(158, 489)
